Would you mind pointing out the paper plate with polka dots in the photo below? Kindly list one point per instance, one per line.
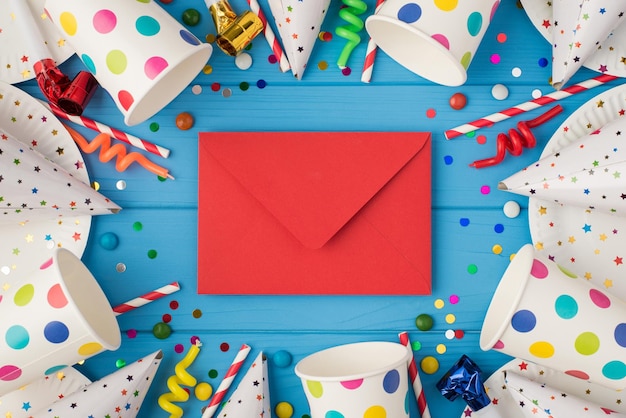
(25, 118)
(590, 243)
(16, 64)
(503, 401)
(607, 60)
(40, 394)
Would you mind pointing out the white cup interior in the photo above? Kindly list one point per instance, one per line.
(352, 361)
(415, 50)
(507, 297)
(85, 292)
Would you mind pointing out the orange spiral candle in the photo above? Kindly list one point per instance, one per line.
(108, 152)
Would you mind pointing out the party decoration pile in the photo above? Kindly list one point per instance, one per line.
(588, 173)
(298, 24)
(580, 32)
(252, 396)
(35, 188)
(119, 394)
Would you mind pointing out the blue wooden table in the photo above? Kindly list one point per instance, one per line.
(467, 217)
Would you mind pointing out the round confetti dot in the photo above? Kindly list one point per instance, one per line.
(485, 189)
(119, 363)
(511, 209)
(174, 305)
(516, 72)
(424, 322)
(472, 269)
(449, 334)
(191, 17)
(131, 333)
(322, 65)
(431, 113)
(282, 358)
(416, 345)
(429, 365)
(498, 228)
(495, 58)
(120, 267)
(448, 160)
(224, 347)
(152, 254)
(283, 410)
(197, 313)
(453, 299)
(441, 348)
(184, 121)
(272, 59)
(161, 330)
(179, 348)
(464, 221)
(243, 61)
(120, 185)
(216, 86)
(109, 241)
(458, 101)
(137, 226)
(439, 303)
(501, 37)
(227, 92)
(450, 318)
(154, 127)
(542, 62)
(346, 71)
(167, 318)
(496, 249)
(261, 84)
(459, 333)
(203, 391)
(481, 139)
(196, 89)
(207, 69)
(213, 373)
(243, 86)
(536, 93)
(499, 92)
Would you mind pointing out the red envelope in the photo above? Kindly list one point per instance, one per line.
(314, 213)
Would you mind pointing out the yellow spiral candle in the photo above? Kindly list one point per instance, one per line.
(180, 377)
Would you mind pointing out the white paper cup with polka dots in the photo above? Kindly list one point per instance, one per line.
(366, 379)
(435, 39)
(139, 53)
(52, 317)
(543, 313)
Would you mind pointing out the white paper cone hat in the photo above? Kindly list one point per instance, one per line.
(580, 28)
(52, 317)
(299, 24)
(538, 400)
(139, 53)
(252, 396)
(118, 395)
(589, 173)
(34, 188)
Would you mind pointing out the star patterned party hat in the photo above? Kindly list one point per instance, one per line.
(252, 397)
(34, 188)
(586, 173)
(579, 31)
(298, 23)
(118, 395)
(538, 400)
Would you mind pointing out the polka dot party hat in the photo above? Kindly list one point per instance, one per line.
(53, 317)
(583, 25)
(139, 53)
(435, 39)
(543, 313)
(359, 380)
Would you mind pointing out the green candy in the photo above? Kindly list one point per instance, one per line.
(161, 330)
(424, 322)
(191, 17)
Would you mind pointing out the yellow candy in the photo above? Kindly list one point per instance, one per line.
(284, 410)
(429, 365)
(203, 391)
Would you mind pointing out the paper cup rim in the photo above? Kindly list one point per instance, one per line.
(179, 76)
(507, 297)
(458, 73)
(108, 334)
(304, 367)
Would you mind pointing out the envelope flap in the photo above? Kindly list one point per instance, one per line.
(313, 183)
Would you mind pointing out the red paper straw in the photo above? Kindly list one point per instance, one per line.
(370, 53)
(271, 39)
(530, 105)
(226, 382)
(115, 133)
(418, 390)
(147, 298)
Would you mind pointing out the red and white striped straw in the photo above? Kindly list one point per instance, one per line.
(418, 390)
(271, 39)
(530, 105)
(370, 53)
(147, 298)
(112, 132)
(231, 373)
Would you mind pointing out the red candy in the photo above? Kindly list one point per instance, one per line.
(458, 101)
